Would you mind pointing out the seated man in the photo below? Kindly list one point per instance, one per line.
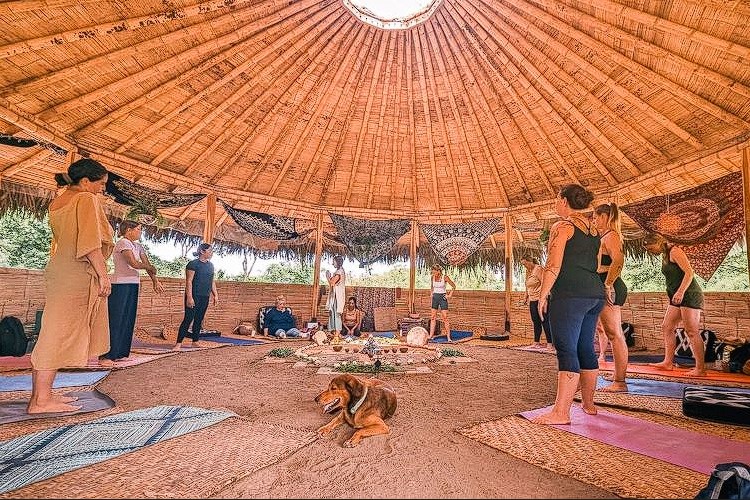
(279, 321)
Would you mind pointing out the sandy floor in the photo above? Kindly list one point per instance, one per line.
(422, 457)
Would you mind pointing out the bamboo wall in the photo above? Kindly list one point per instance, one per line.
(22, 293)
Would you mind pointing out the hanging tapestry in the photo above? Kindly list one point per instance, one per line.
(129, 193)
(454, 243)
(706, 221)
(368, 299)
(369, 240)
(9, 140)
(272, 227)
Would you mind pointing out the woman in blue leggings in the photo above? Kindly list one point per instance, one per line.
(573, 296)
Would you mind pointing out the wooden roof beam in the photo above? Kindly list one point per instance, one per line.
(28, 162)
(635, 67)
(505, 45)
(412, 121)
(584, 65)
(365, 118)
(206, 120)
(458, 54)
(107, 29)
(481, 55)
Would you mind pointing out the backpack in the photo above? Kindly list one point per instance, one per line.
(13, 339)
(730, 480)
(629, 331)
(683, 349)
(738, 357)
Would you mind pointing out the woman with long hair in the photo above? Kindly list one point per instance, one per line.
(573, 296)
(440, 295)
(352, 318)
(74, 323)
(199, 288)
(129, 256)
(685, 302)
(336, 295)
(611, 261)
(534, 275)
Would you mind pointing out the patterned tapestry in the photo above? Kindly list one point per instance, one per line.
(9, 140)
(370, 298)
(129, 193)
(706, 221)
(369, 240)
(454, 243)
(272, 227)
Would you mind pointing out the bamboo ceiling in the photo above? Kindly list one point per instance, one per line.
(298, 107)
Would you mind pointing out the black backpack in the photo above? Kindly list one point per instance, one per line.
(738, 357)
(13, 339)
(629, 331)
(727, 481)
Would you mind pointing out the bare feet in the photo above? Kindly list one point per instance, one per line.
(126, 358)
(59, 398)
(196, 344)
(106, 363)
(615, 386)
(696, 373)
(589, 410)
(551, 418)
(664, 365)
(177, 346)
(51, 407)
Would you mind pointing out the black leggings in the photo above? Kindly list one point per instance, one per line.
(195, 316)
(538, 323)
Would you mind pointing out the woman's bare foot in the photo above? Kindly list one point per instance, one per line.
(696, 373)
(590, 410)
(59, 398)
(616, 386)
(663, 365)
(51, 406)
(551, 418)
(106, 363)
(126, 358)
(177, 346)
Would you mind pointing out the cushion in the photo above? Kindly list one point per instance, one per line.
(262, 316)
(717, 404)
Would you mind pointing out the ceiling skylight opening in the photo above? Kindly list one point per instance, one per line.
(392, 14)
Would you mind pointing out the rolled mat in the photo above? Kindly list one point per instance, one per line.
(646, 387)
(232, 340)
(654, 440)
(14, 410)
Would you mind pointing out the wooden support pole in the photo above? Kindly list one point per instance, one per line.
(316, 272)
(413, 264)
(746, 200)
(210, 222)
(508, 269)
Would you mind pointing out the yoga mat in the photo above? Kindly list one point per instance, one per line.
(529, 348)
(62, 379)
(15, 410)
(28, 459)
(646, 387)
(692, 450)
(388, 335)
(13, 363)
(655, 358)
(682, 373)
(233, 341)
(456, 336)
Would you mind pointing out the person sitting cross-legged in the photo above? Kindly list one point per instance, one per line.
(279, 321)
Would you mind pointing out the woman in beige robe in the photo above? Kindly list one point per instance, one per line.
(74, 323)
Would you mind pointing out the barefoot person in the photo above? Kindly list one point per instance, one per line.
(534, 275)
(611, 261)
(685, 302)
(573, 296)
(199, 288)
(336, 295)
(440, 296)
(74, 323)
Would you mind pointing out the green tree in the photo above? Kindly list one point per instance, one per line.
(24, 240)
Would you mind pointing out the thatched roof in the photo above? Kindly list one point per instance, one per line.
(298, 108)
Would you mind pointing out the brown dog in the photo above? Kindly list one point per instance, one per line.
(361, 403)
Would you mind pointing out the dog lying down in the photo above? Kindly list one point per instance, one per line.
(362, 403)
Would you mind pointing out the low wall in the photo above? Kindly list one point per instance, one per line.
(22, 294)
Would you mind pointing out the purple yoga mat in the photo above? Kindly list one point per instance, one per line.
(692, 450)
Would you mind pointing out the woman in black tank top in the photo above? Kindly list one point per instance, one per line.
(685, 302)
(572, 295)
(611, 260)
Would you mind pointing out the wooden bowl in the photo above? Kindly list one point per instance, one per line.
(337, 348)
(403, 348)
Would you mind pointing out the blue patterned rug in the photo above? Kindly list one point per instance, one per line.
(28, 459)
(62, 379)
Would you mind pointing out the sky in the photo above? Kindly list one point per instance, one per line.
(393, 9)
(232, 264)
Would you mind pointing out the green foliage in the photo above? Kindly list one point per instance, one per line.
(24, 240)
(449, 352)
(168, 268)
(281, 352)
(357, 367)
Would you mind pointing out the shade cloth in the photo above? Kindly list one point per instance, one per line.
(272, 227)
(369, 240)
(454, 243)
(129, 193)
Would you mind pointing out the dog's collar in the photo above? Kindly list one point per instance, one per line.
(356, 405)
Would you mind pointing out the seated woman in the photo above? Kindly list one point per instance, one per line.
(352, 318)
(279, 322)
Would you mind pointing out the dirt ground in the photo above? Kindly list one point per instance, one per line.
(423, 457)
